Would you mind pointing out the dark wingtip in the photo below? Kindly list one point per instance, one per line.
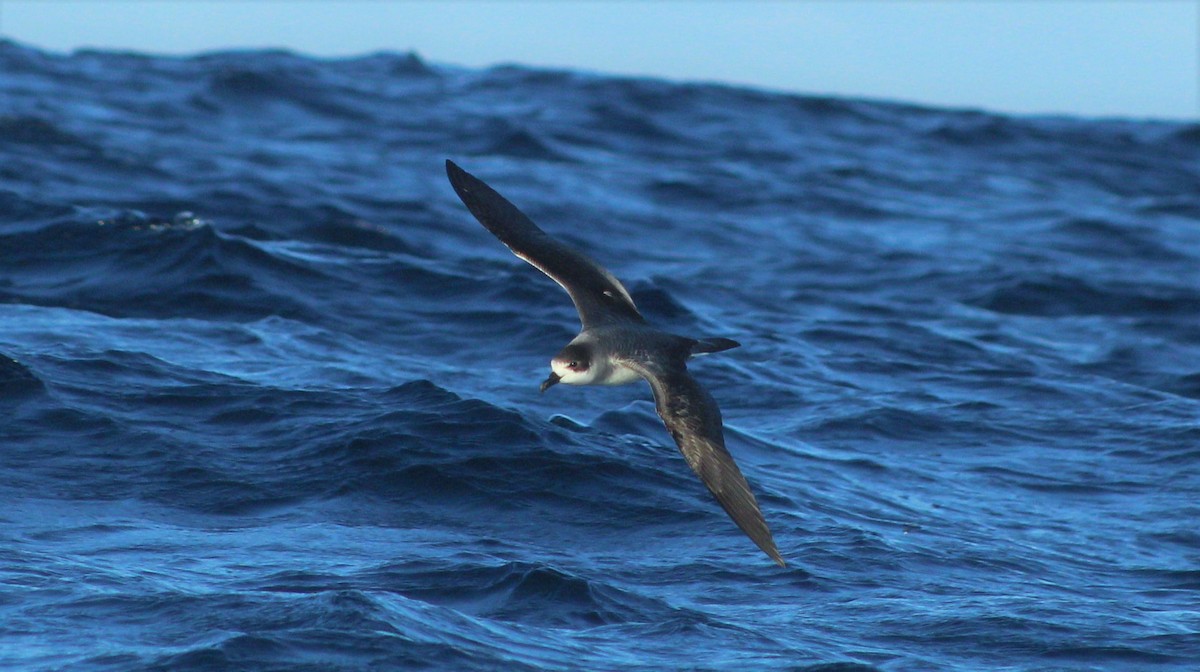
(470, 189)
(766, 542)
(466, 186)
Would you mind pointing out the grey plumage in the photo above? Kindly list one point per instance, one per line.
(616, 343)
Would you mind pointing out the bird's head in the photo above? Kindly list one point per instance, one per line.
(572, 366)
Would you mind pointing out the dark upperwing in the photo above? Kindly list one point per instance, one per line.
(693, 418)
(599, 297)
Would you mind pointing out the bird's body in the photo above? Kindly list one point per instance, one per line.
(616, 347)
(606, 345)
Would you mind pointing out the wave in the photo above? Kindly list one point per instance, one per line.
(270, 392)
(1058, 295)
(16, 379)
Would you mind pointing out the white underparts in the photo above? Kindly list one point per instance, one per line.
(603, 372)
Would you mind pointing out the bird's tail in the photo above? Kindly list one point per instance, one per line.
(705, 346)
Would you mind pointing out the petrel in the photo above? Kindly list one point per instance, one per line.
(616, 346)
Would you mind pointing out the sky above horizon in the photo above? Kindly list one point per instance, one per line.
(1100, 58)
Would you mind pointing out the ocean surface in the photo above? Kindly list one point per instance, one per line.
(269, 394)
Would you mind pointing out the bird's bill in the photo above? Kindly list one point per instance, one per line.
(551, 381)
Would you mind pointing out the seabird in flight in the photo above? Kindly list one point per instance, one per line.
(616, 346)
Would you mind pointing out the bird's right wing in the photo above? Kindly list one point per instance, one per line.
(598, 296)
(694, 420)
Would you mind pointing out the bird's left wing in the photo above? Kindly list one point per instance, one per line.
(693, 418)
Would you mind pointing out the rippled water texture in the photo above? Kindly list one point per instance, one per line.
(269, 393)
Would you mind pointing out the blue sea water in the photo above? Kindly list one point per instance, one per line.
(268, 393)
